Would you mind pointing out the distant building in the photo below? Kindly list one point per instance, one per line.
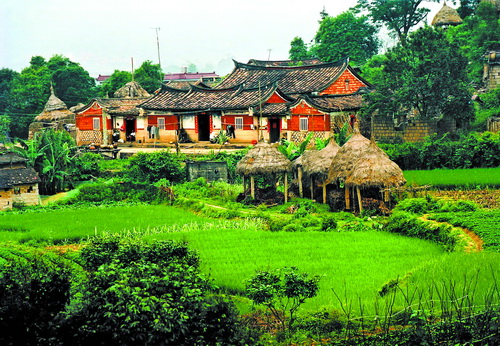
(203, 77)
(491, 75)
(101, 78)
(18, 183)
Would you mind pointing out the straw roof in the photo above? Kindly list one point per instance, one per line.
(446, 16)
(264, 158)
(348, 154)
(54, 109)
(375, 168)
(131, 90)
(319, 162)
(299, 161)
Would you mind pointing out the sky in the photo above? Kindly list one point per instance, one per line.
(106, 35)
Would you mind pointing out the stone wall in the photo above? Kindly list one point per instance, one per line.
(210, 170)
(412, 130)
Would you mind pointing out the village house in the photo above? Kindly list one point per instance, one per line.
(261, 100)
(18, 183)
(106, 120)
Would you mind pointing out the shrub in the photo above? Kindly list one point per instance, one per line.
(276, 225)
(151, 167)
(329, 223)
(417, 205)
(294, 227)
(86, 167)
(309, 221)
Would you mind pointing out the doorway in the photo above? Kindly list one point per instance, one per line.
(130, 130)
(203, 127)
(274, 130)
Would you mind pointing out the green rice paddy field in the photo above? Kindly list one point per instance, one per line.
(471, 178)
(355, 264)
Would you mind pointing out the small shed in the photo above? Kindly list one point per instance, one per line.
(264, 159)
(18, 183)
(210, 170)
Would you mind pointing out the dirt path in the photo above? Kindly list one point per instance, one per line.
(474, 242)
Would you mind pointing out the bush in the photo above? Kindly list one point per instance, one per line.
(86, 167)
(114, 192)
(151, 167)
(294, 227)
(329, 223)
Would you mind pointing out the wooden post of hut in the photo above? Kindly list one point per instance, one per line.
(359, 199)
(312, 187)
(286, 187)
(324, 192)
(301, 189)
(347, 198)
(252, 186)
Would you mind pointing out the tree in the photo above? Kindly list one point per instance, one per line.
(149, 76)
(427, 75)
(114, 82)
(467, 7)
(6, 77)
(346, 35)
(298, 50)
(71, 82)
(282, 292)
(399, 16)
(479, 34)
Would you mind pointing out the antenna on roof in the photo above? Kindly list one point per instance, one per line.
(158, 45)
(132, 60)
(269, 55)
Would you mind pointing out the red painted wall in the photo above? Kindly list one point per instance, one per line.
(229, 120)
(275, 98)
(318, 121)
(87, 122)
(341, 87)
(171, 122)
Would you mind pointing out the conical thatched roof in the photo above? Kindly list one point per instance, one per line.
(347, 156)
(446, 16)
(131, 90)
(54, 109)
(375, 168)
(319, 162)
(264, 158)
(299, 161)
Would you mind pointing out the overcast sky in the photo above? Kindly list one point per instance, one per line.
(103, 35)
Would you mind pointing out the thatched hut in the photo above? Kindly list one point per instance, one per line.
(374, 169)
(55, 115)
(131, 90)
(316, 166)
(297, 166)
(446, 16)
(264, 159)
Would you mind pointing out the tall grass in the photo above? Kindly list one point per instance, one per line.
(451, 178)
(358, 262)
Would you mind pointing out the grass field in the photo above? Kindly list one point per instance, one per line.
(356, 264)
(468, 178)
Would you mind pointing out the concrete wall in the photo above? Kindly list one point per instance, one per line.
(414, 130)
(26, 194)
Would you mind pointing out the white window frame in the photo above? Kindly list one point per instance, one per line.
(96, 123)
(161, 123)
(303, 124)
(238, 123)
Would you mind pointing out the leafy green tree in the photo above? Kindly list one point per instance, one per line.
(29, 92)
(72, 83)
(427, 75)
(114, 82)
(346, 35)
(152, 167)
(149, 76)
(479, 34)
(467, 7)
(397, 15)
(298, 50)
(6, 77)
(4, 127)
(282, 292)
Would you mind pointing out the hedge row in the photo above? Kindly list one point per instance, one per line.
(471, 151)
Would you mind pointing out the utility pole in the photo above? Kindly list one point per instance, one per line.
(269, 55)
(158, 45)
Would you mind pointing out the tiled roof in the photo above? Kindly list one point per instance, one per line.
(17, 176)
(206, 99)
(334, 103)
(117, 106)
(270, 109)
(189, 75)
(291, 80)
(275, 63)
(10, 158)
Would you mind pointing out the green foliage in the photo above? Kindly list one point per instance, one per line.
(346, 35)
(294, 227)
(151, 167)
(149, 76)
(410, 225)
(343, 136)
(398, 16)
(292, 150)
(86, 166)
(114, 82)
(282, 292)
(329, 223)
(429, 204)
(4, 127)
(427, 75)
(471, 151)
(298, 50)
(34, 288)
(103, 193)
(483, 223)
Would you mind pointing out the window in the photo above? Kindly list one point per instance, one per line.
(96, 123)
(238, 123)
(161, 123)
(304, 124)
(17, 191)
